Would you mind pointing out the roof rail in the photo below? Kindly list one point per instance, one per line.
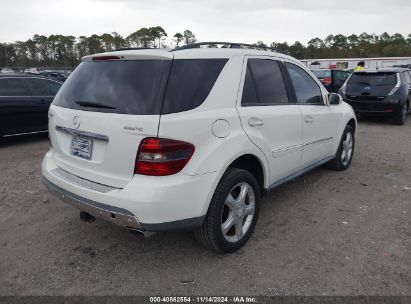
(232, 45)
(133, 49)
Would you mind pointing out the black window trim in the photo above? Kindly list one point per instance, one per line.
(293, 90)
(291, 98)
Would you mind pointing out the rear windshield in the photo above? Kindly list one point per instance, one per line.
(373, 79)
(139, 87)
(126, 87)
(322, 73)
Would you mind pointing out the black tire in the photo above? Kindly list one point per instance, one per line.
(337, 163)
(401, 118)
(211, 234)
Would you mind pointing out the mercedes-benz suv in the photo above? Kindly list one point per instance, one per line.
(190, 139)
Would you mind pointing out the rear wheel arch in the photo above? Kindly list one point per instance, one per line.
(353, 124)
(252, 164)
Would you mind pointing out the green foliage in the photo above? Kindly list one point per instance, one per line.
(60, 50)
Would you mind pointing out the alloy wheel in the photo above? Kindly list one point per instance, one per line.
(238, 212)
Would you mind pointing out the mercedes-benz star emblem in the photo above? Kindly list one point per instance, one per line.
(76, 122)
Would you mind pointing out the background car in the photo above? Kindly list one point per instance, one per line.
(24, 103)
(57, 75)
(383, 92)
(332, 79)
(7, 71)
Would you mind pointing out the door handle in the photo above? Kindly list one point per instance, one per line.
(254, 121)
(308, 119)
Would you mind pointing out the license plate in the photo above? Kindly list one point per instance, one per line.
(81, 147)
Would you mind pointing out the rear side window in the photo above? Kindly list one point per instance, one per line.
(125, 87)
(190, 82)
(306, 89)
(263, 84)
(12, 87)
(373, 79)
(42, 87)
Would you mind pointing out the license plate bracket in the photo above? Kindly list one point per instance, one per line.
(81, 147)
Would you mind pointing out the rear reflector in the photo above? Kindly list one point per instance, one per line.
(101, 58)
(160, 157)
(327, 80)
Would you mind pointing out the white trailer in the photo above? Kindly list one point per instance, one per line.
(351, 63)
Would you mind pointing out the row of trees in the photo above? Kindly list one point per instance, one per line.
(60, 50)
(352, 46)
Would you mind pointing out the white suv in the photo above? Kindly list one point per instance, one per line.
(190, 139)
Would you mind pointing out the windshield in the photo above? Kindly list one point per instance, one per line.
(373, 79)
(125, 87)
(139, 87)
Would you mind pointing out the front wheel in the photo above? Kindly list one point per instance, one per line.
(345, 151)
(233, 212)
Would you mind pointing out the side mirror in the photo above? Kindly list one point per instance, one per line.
(334, 99)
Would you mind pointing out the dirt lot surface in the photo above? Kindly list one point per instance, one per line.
(326, 233)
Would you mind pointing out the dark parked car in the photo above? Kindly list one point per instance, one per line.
(332, 79)
(24, 103)
(57, 75)
(380, 92)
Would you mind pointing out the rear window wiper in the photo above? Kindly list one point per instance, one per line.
(92, 104)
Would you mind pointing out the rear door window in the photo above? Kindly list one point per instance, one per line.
(42, 87)
(263, 84)
(125, 87)
(306, 89)
(12, 87)
(190, 82)
(373, 79)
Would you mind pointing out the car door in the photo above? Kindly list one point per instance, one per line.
(319, 120)
(42, 91)
(16, 106)
(338, 79)
(268, 116)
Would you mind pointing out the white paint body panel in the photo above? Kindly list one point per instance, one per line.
(278, 144)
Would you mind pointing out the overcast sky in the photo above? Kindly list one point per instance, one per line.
(210, 20)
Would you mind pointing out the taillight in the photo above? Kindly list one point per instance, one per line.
(160, 156)
(327, 80)
(101, 58)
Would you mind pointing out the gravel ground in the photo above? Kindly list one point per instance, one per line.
(326, 233)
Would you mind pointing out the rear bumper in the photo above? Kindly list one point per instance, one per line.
(147, 203)
(380, 108)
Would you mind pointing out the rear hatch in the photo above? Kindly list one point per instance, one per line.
(103, 111)
(371, 85)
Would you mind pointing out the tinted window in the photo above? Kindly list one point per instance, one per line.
(127, 87)
(306, 89)
(340, 77)
(42, 87)
(373, 79)
(263, 83)
(12, 87)
(190, 82)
